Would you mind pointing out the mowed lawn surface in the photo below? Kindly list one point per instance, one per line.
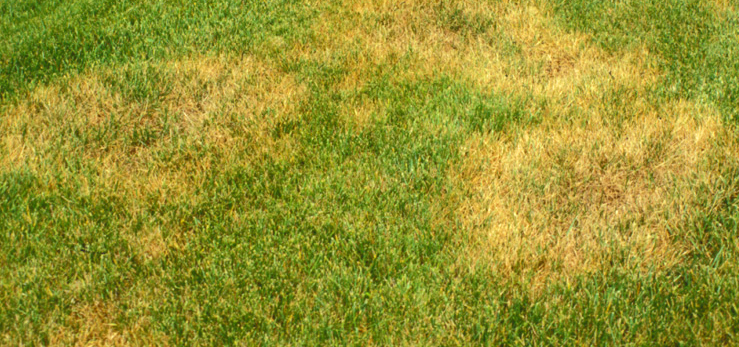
(225, 172)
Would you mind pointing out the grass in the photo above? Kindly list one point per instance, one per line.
(369, 173)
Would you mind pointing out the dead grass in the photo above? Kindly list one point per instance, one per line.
(95, 325)
(98, 324)
(605, 171)
(383, 32)
(556, 200)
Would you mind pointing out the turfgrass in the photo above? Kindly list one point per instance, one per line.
(369, 173)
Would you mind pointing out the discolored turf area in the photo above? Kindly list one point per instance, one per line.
(280, 172)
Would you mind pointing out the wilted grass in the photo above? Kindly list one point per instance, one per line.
(369, 173)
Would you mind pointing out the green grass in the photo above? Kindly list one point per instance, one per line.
(47, 39)
(313, 227)
(695, 44)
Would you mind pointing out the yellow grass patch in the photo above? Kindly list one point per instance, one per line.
(217, 111)
(377, 32)
(605, 170)
(722, 7)
(362, 113)
(206, 94)
(553, 65)
(556, 199)
(95, 325)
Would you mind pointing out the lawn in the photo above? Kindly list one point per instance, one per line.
(344, 172)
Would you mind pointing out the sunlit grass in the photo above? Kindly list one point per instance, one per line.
(369, 173)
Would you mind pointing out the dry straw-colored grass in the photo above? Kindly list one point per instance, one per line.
(556, 200)
(226, 107)
(373, 33)
(90, 325)
(545, 62)
(95, 325)
(205, 96)
(723, 7)
(606, 170)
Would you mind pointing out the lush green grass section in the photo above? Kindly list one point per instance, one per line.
(45, 39)
(696, 43)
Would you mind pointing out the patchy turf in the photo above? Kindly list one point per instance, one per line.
(369, 173)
